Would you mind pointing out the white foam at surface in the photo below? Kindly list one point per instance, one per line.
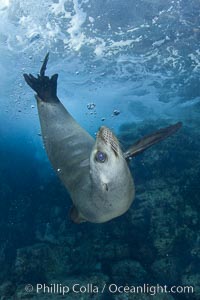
(159, 43)
(58, 9)
(77, 20)
(112, 47)
(100, 47)
(69, 29)
(195, 58)
(47, 30)
(4, 4)
(190, 102)
(49, 24)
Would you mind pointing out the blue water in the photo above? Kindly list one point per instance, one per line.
(141, 58)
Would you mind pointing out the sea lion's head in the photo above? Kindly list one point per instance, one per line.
(110, 175)
(106, 158)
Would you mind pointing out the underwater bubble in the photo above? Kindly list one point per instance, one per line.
(91, 106)
(91, 19)
(116, 112)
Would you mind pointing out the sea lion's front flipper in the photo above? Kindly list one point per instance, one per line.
(151, 139)
(75, 216)
(45, 87)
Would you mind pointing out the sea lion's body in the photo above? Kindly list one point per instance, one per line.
(95, 173)
(68, 147)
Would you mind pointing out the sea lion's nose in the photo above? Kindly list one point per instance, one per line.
(102, 128)
(101, 131)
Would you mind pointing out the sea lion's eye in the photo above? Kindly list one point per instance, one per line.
(100, 157)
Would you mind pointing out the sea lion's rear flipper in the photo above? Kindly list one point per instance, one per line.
(151, 139)
(44, 86)
(75, 216)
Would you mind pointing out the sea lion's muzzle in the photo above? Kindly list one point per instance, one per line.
(107, 136)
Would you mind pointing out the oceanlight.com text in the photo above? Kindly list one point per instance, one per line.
(112, 288)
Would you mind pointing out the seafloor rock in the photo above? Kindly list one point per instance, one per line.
(156, 241)
(143, 297)
(42, 262)
(128, 271)
(167, 270)
(116, 251)
(6, 290)
(192, 279)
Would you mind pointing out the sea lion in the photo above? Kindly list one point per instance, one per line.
(95, 173)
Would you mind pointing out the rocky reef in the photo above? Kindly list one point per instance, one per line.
(156, 242)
